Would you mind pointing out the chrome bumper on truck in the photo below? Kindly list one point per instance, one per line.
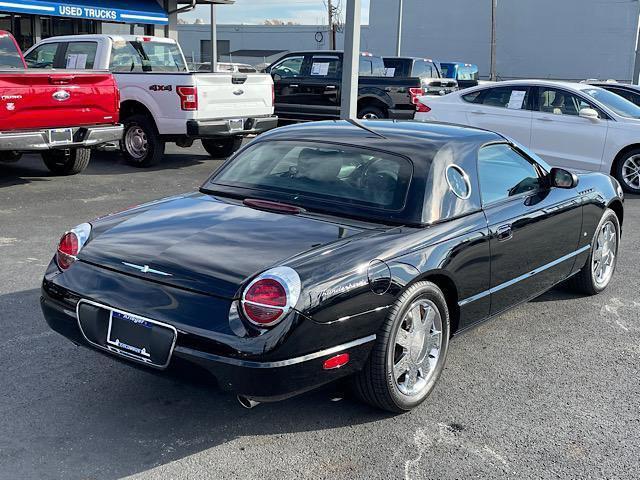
(43, 139)
(230, 127)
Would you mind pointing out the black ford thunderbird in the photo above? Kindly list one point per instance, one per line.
(332, 250)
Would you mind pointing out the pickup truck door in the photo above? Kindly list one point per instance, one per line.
(505, 110)
(287, 75)
(320, 90)
(561, 136)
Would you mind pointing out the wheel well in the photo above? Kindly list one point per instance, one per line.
(616, 206)
(621, 154)
(372, 102)
(132, 107)
(450, 292)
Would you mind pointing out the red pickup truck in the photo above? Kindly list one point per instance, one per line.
(61, 115)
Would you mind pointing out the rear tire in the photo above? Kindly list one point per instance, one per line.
(627, 171)
(221, 147)
(369, 112)
(10, 156)
(596, 274)
(68, 161)
(409, 353)
(141, 144)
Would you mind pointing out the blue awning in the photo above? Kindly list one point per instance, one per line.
(145, 11)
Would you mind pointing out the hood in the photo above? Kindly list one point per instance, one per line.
(206, 244)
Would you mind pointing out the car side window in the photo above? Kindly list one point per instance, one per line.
(422, 68)
(628, 95)
(288, 67)
(80, 55)
(42, 56)
(326, 67)
(514, 98)
(473, 97)
(503, 172)
(560, 102)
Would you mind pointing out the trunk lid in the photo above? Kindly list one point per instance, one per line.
(32, 100)
(227, 95)
(207, 244)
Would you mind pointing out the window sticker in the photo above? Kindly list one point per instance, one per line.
(517, 99)
(390, 72)
(320, 69)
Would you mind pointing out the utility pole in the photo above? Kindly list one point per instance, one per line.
(332, 27)
(399, 39)
(493, 74)
(214, 39)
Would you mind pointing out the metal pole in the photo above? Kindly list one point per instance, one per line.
(332, 31)
(399, 39)
(214, 39)
(351, 61)
(494, 7)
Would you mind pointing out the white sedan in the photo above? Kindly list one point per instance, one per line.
(570, 125)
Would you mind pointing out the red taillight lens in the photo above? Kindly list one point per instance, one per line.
(421, 107)
(264, 302)
(416, 93)
(188, 98)
(68, 248)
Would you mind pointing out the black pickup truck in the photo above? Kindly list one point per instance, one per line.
(308, 85)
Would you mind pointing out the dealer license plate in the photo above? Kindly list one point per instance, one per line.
(60, 136)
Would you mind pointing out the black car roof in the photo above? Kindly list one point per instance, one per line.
(401, 136)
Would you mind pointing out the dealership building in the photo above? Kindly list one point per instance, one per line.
(568, 39)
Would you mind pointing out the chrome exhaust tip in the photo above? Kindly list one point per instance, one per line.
(247, 402)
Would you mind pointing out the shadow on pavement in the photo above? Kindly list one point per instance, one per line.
(68, 412)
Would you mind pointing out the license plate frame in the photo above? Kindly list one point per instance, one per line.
(235, 124)
(60, 136)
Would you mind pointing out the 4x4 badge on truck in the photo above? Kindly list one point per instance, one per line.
(61, 95)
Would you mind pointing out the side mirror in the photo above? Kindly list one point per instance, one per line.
(561, 178)
(589, 113)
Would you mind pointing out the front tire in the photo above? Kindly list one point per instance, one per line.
(409, 353)
(221, 147)
(627, 171)
(68, 161)
(141, 144)
(597, 272)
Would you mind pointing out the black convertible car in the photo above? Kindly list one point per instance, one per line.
(330, 250)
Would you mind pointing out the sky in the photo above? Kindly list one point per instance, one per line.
(310, 12)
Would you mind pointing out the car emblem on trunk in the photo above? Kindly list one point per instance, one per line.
(146, 269)
(61, 95)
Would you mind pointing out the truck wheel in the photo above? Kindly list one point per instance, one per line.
(222, 147)
(369, 112)
(67, 162)
(10, 156)
(141, 145)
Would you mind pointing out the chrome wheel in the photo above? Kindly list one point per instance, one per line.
(136, 142)
(631, 172)
(417, 346)
(370, 116)
(604, 254)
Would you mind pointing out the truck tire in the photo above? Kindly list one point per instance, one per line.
(10, 156)
(221, 147)
(141, 144)
(369, 112)
(68, 161)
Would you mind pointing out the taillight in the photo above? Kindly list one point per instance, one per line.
(273, 95)
(416, 93)
(270, 296)
(421, 107)
(70, 245)
(188, 98)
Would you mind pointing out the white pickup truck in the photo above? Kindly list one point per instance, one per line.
(161, 101)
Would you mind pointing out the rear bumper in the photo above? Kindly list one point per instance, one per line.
(220, 127)
(83, 137)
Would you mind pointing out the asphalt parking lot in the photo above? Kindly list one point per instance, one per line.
(550, 389)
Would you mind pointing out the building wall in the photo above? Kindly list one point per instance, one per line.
(560, 39)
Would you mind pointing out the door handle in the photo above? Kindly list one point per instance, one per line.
(478, 112)
(546, 119)
(294, 85)
(331, 87)
(504, 233)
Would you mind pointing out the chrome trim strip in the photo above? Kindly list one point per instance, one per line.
(504, 285)
(342, 319)
(121, 352)
(281, 363)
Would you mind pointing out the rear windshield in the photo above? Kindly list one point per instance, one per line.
(9, 56)
(146, 57)
(396, 67)
(309, 171)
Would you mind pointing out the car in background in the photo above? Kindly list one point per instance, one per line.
(433, 82)
(60, 115)
(161, 101)
(308, 86)
(625, 90)
(466, 74)
(572, 125)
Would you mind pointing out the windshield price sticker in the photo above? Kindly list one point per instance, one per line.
(517, 99)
